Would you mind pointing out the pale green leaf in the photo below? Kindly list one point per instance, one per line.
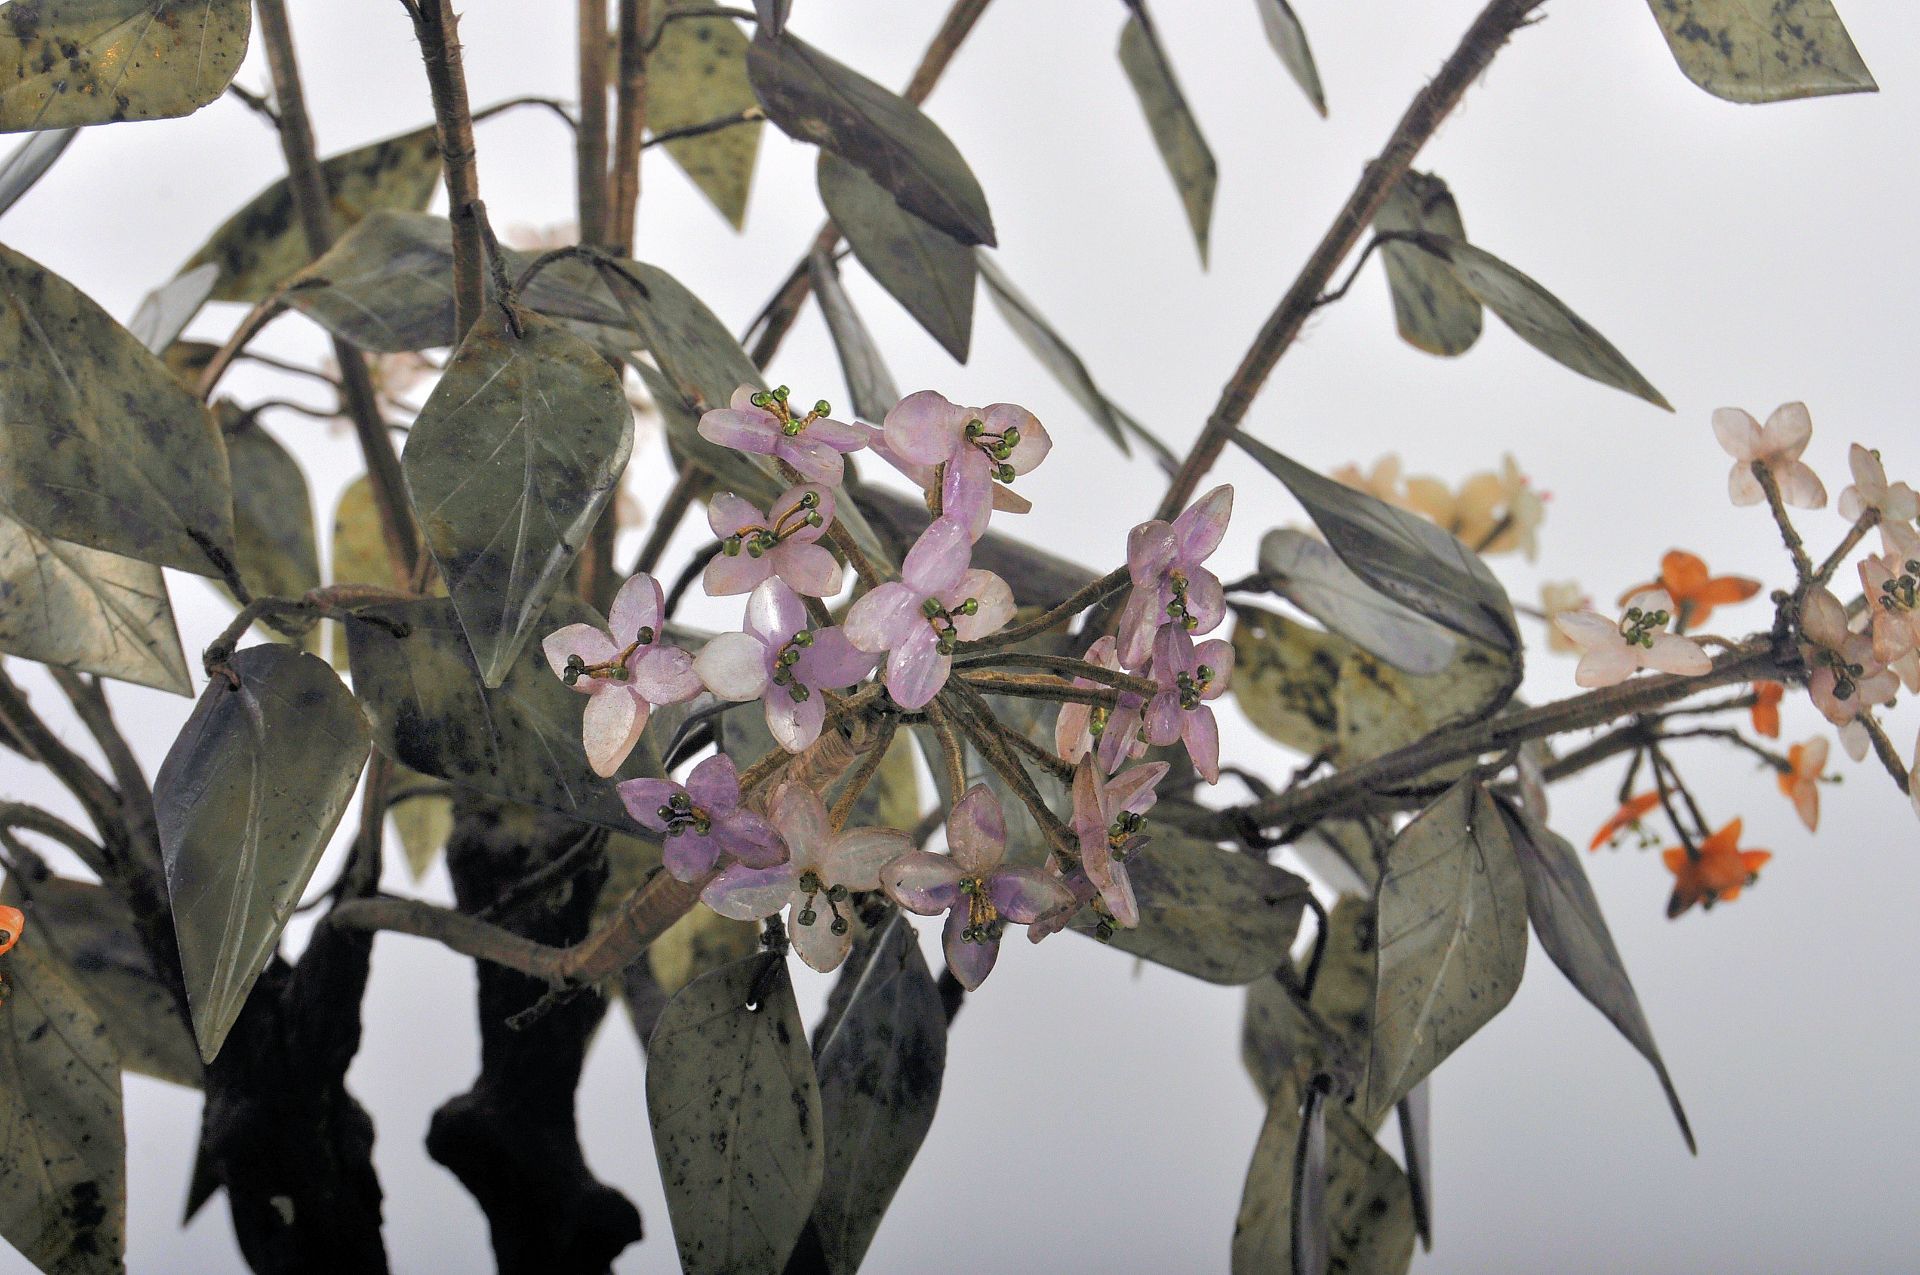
(922, 267)
(698, 73)
(1175, 131)
(1289, 41)
(1306, 573)
(1763, 50)
(869, 383)
(1431, 307)
(69, 63)
(272, 513)
(28, 162)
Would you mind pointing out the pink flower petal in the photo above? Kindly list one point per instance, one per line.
(733, 666)
(1587, 629)
(858, 855)
(583, 640)
(1201, 734)
(638, 605)
(1800, 487)
(879, 620)
(1216, 656)
(923, 428)
(644, 797)
(970, 962)
(817, 944)
(730, 575)
(938, 558)
(915, 668)
(1132, 791)
(751, 839)
(1672, 654)
(813, 458)
(1200, 529)
(1824, 619)
(992, 595)
(809, 568)
(1738, 432)
(833, 662)
(795, 723)
(729, 515)
(921, 881)
(1605, 665)
(611, 726)
(741, 893)
(1024, 894)
(1787, 431)
(1034, 442)
(1151, 549)
(1163, 719)
(1072, 732)
(689, 856)
(966, 493)
(752, 431)
(802, 820)
(838, 435)
(1206, 600)
(1140, 622)
(713, 785)
(977, 831)
(664, 675)
(775, 613)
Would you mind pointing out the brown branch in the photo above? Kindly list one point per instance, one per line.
(25, 818)
(1884, 750)
(1030, 686)
(629, 125)
(1861, 526)
(870, 764)
(1064, 666)
(1789, 534)
(1499, 20)
(590, 143)
(438, 31)
(745, 115)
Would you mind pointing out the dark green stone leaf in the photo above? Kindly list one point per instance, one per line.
(1285, 678)
(423, 823)
(272, 514)
(1416, 1140)
(73, 607)
(1289, 40)
(1763, 50)
(699, 942)
(1541, 320)
(91, 933)
(1405, 557)
(880, 1062)
(99, 444)
(1343, 995)
(698, 73)
(63, 1186)
(1567, 918)
(508, 466)
(1306, 573)
(165, 312)
(1453, 940)
(263, 244)
(519, 741)
(29, 161)
(79, 62)
(1175, 131)
(925, 269)
(1212, 913)
(1431, 307)
(773, 14)
(736, 1118)
(868, 381)
(813, 98)
(1370, 1227)
(1054, 354)
(245, 802)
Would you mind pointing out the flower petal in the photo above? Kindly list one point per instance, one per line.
(995, 604)
(714, 784)
(729, 514)
(922, 881)
(923, 428)
(1738, 432)
(813, 458)
(1605, 666)
(977, 831)
(1023, 894)
(750, 431)
(583, 640)
(1201, 734)
(689, 856)
(1787, 431)
(1034, 442)
(611, 726)
(915, 668)
(833, 662)
(838, 435)
(775, 613)
(802, 820)
(938, 558)
(1200, 529)
(644, 797)
(664, 675)
(741, 893)
(1823, 619)
(809, 569)
(795, 723)
(1673, 654)
(966, 492)
(1163, 719)
(728, 575)
(970, 962)
(816, 943)
(1800, 487)
(878, 621)
(749, 838)
(638, 605)
(733, 666)
(788, 509)
(1151, 548)
(1742, 487)
(858, 854)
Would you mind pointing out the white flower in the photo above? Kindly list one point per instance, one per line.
(1776, 445)
(1896, 502)
(1612, 652)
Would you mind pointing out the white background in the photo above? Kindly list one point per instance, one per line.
(1095, 1120)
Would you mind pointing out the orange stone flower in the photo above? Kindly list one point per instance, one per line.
(1766, 708)
(12, 921)
(1625, 817)
(1802, 783)
(1694, 593)
(1720, 872)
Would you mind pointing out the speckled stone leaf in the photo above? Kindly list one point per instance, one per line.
(422, 823)
(359, 555)
(1405, 557)
(387, 287)
(1380, 708)
(1289, 41)
(1370, 1227)
(165, 312)
(245, 801)
(99, 444)
(71, 63)
(272, 514)
(91, 934)
(870, 385)
(736, 1119)
(1279, 1041)
(1567, 918)
(696, 73)
(519, 741)
(1054, 354)
(1431, 307)
(1175, 131)
(28, 162)
(880, 1061)
(813, 98)
(1306, 573)
(1284, 1184)
(73, 607)
(1217, 915)
(1542, 320)
(263, 244)
(1453, 940)
(1344, 993)
(63, 1188)
(1285, 676)
(1416, 1142)
(921, 266)
(699, 942)
(508, 466)
(1763, 50)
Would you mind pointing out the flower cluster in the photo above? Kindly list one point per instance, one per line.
(1491, 513)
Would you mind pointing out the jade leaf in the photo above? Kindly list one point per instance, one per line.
(697, 73)
(1289, 41)
(165, 312)
(1763, 50)
(1175, 130)
(1306, 573)
(868, 381)
(272, 513)
(1431, 307)
(68, 63)
(28, 162)
(922, 267)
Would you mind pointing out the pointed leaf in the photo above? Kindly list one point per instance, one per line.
(868, 382)
(1285, 678)
(1763, 50)
(359, 555)
(1053, 353)
(165, 312)
(1453, 940)
(1175, 131)
(1406, 558)
(263, 244)
(773, 14)
(99, 444)
(813, 98)
(79, 62)
(1289, 40)
(423, 822)
(1212, 913)
(1369, 1206)
(1416, 1140)
(698, 73)
(1567, 918)
(1380, 709)
(923, 268)
(1541, 319)
(1310, 1240)
(1263, 1227)
(508, 465)
(1311, 576)
(519, 741)
(736, 1118)
(272, 513)
(1431, 307)
(91, 934)
(880, 1063)
(28, 162)
(245, 802)
(696, 944)
(78, 608)
(63, 1185)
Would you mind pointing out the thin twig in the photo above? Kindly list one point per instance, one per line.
(1032, 686)
(629, 125)
(672, 511)
(1090, 594)
(863, 775)
(1789, 535)
(1065, 666)
(436, 28)
(745, 115)
(1861, 526)
(1883, 749)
